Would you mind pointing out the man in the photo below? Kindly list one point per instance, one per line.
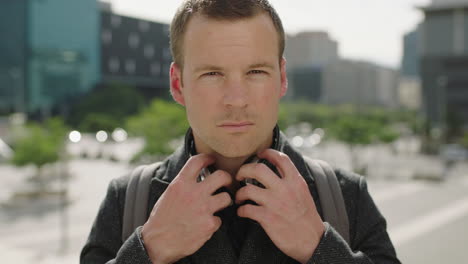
(229, 73)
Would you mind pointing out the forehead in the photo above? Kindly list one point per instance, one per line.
(212, 39)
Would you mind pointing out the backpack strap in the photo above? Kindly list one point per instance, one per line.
(331, 197)
(136, 198)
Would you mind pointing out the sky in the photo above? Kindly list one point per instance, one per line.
(370, 30)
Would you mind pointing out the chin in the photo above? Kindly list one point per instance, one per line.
(236, 151)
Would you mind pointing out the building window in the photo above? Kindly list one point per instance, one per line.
(166, 29)
(148, 51)
(106, 36)
(166, 54)
(165, 70)
(114, 65)
(133, 40)
(130, 66)
(144, 26)
(155, 68)
(116, 21)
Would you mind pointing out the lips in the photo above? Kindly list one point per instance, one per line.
(236, 124)
(236, 127)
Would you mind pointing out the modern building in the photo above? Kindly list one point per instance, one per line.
(448, 2)
(48, 53)
(310, 48)
(409, 88)
(411, 53)
(135, 52)
(306, 82)
(54, 51)
(444, 63)
(359, 83)
(306, 54)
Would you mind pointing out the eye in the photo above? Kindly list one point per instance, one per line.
(211, 74)
(256, 72)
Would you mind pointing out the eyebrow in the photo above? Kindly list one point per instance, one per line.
(209, 67)
(262, 65)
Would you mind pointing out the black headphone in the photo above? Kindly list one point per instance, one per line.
(205, 172)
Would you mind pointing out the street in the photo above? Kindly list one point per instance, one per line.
(427, 220)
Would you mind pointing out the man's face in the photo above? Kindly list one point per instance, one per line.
(231, 83)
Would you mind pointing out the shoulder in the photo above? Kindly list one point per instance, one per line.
(119, 184)
(353, 186)
(358, 201)
(115, 195)
(348, 179)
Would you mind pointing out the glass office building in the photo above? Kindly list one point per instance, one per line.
(49, 53)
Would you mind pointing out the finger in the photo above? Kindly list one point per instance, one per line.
(259, 172)
(194, 165)
(216, 180)
(213, 225)
(254, 212)
(220, 201)
(253, 193)
(281, 161)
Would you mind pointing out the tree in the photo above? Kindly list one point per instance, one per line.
(464, 140)
(106, 108)
(355, 131)
(40, 145)
(158, 124)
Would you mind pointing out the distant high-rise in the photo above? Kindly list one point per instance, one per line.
(409, 88)
(310, 48)
(411, 53)
(444, 63)
(52, 52)
(48, 53)
(135, 52)
(359, 83)
(448, 2)
(306, 54)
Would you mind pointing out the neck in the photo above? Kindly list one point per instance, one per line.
(230, 165)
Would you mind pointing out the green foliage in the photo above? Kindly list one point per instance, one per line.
(356, 130)
(464, 140)
(387, 135)
(348, 124)
(95, 122)
(303, 111)
(40, 144)
(106, 108)
(159, 123)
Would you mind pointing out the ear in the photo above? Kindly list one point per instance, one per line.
(284, 77)
(176, 84)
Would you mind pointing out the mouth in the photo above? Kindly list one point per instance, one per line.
(236, 127)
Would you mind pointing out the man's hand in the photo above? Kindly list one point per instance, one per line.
(182, 220)
(285, 209)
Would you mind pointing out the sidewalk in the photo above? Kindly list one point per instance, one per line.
(32, 232)
(21, 256)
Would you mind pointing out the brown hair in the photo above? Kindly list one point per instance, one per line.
(220, 10)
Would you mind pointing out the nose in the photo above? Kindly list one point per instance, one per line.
(235, 93)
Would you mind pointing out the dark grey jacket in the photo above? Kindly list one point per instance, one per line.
(370, 242)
